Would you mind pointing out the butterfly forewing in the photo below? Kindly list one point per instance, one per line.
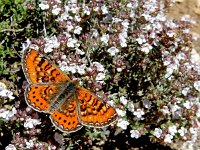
(39, 69)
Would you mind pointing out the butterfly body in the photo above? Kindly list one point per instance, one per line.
(51, 91)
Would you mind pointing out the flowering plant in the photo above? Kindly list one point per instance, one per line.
(132, 56)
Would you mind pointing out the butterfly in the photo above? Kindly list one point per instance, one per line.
(51, 91)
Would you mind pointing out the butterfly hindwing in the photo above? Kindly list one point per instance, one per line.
(93, 111)
(66, 118)
(40, 97)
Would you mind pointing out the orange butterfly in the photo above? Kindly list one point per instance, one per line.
(51, 91)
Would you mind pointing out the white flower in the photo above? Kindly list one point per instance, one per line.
(111, 103)
(116, 20)
(180, 56)
(125, 23)
(147, 16)
(175, 108)
(77, 18)
(2, 86)
(197, 85)
(122, 37)
(113, 51)
(105, 38)
(187, 104)
(86, 10)
(139, 113)
(170, 33)
(44, 5)
(165, 110)
(81, 69)
(74, 9)
(123, 42)
(132, 14)
(129, 5)
(171, 24)
(161, 17)
(182, 131)
(122, 124)
(141, 39)
(69, 27)
(104, 9)
(56, 10)
(146, 48)
(77, 30)
(99, 66)
(30, 123)
(168, 138)
(96, 8)
(48, 49)
(51, 43)
(119, 69)
(120, 112)
(10, 147)
(198, 112)
(135, 134)
(130, 106)
(63, 65)
(78, 51)
(192, 130)
(7, 93)
(172, 130)
(169, 72)
(146, 103)
(6, 114)
(4, 92)
(185, 91)
(71, 42)
(63, 57)
(123, 100)
(72, 68)
(94, 33)
(100, 76)
(63, 16)
(157, 132)
(29, 144)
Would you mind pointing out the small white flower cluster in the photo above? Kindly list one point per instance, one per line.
(4, 92)
(51, 43)
(113, 51)
(139, 113)
(124, 33)
(105, 38)
(67, 66)
(29, 144)
(56, 10)
(122, 123)
(7, 114)
(101, 72)
(157, 132)
(10, 147)
(172, 131)
(72, 43)
(135, 134)
(197, 85)
(30, 123)
(172, 63)
(44, 5)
